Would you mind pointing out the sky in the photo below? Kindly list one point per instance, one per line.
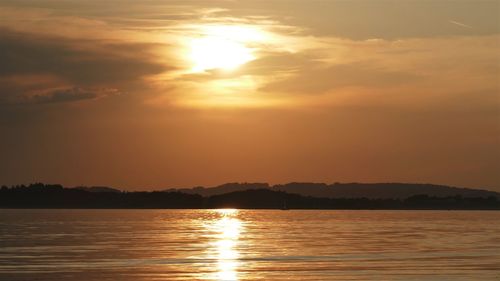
(153, 94)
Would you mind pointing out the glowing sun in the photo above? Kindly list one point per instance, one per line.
(223, 47)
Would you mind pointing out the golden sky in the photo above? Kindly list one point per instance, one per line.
(155, 94)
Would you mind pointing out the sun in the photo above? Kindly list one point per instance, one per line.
(223, 47)
(218, 53)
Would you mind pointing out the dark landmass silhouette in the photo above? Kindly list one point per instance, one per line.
(347, 190)
(56, 196)
(98, 189)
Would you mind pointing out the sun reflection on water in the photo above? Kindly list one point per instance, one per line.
(227, 229)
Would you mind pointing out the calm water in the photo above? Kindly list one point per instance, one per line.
(248, 245)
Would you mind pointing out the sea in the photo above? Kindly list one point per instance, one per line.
(231, 244)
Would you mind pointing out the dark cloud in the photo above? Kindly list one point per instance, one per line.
(70, 64)
(71, 94)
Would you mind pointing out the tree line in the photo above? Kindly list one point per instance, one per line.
(56, 196)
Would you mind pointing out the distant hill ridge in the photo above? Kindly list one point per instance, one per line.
(346, 190)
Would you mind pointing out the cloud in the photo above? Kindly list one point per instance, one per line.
(317, 78)
(459, 24)
(79, 61)
(361, 20)
(33, 64)
(71, 95)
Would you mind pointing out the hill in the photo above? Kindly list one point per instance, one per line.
(347, 190)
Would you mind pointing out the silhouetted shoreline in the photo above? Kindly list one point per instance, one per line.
(59, 197)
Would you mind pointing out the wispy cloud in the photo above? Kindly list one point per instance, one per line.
(459, 24)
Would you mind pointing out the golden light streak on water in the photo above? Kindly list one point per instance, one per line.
(228, 228)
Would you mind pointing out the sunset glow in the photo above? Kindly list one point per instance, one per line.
(185, 93)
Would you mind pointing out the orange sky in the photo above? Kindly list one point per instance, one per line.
(156, 94)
